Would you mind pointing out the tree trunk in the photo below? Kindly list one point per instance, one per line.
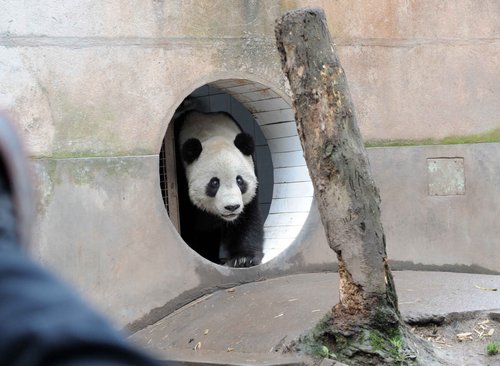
(348, 200)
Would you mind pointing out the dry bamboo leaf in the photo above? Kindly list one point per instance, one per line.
(232, 289)
(229, 349)
(467, 336)
(197, 346)
(206, 332)
(491, 331)
(486, 288)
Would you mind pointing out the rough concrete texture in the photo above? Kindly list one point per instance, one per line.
(429, 229)
(420, 69)
(153, 19)
(257, 321)
(108, 85)
(101, 80)
(93, 219)
(97, 101)
(416, 70)
(459, 99)
(101, 224)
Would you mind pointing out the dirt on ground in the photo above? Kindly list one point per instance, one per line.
(462, 340)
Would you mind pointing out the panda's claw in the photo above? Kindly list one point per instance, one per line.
(241, 262)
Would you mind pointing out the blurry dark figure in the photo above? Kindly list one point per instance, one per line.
(43, 322)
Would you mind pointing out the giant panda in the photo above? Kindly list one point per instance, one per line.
(219, 209)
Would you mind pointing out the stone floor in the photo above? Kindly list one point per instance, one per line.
(250, 324)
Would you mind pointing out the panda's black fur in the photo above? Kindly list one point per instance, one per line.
(237, 243)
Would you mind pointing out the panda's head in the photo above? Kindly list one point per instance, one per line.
(220, 174)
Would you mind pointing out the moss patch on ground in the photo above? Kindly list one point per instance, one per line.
(365, 346)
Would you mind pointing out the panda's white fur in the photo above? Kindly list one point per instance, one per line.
(219, 158)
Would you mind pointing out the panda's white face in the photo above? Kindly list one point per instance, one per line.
(221, 179)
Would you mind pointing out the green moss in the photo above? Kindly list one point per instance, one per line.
(391, 143)
(396, 349)
(488, 136)
(365, 346)
(78, 122)
(376, 341)
(84, 129)
(92, 171)
(394, 345)
(492, 348)
(79, 153)
(46, 178)
(316, 343)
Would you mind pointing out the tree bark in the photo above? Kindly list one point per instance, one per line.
(346, 194)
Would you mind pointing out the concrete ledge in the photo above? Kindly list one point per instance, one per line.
(260, 319)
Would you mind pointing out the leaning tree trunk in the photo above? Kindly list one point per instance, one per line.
(366, 320)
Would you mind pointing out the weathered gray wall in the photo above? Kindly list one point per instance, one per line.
(94, 85)
(428, 223)
(421, 69)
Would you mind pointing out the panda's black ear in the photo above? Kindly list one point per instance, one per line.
(244, 143)
(191, 150)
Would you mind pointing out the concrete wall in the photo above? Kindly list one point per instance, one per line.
(421, 69)
(94, 85)
(440, 205)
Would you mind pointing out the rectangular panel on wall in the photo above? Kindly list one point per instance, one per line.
(282, 205)
(285, 144)
(267, 105)
(292, 192)
(291, 232)
(294, 189)
(282, 129)
(446, 176)
(282, 115)
(256, 95)
(288, 159)
(286, 219)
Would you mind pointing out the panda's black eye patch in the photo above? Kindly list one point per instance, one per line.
(212, 187)
(241, 184)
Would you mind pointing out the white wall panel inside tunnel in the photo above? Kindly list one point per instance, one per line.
(292, 191)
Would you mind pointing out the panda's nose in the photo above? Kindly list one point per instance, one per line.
(232, 208)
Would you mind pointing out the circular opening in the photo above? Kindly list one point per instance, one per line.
(285, 189)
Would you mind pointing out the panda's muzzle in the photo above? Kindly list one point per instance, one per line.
(232, 208)
(231, 215)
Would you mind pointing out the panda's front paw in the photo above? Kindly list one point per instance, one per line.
(242, 262)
